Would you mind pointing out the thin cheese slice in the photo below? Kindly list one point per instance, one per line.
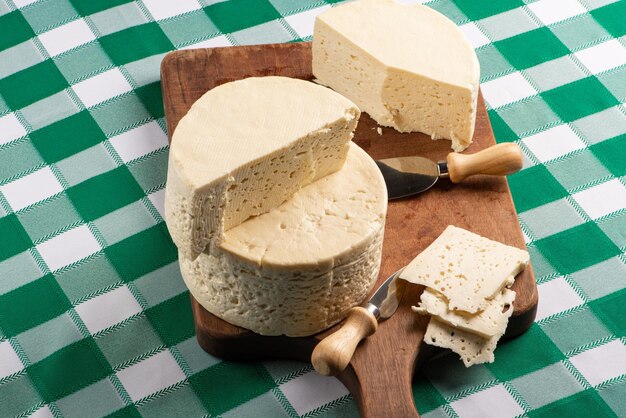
(244, 148)
(472, 348)
(487, 323)
(466, 268)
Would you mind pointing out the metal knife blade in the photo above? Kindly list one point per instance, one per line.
(406, 176)
(386, 299)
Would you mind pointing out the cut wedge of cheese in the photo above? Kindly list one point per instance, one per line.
(487, 323)
(465, 268)
(247, 146)
(408, 66)
(299, 268)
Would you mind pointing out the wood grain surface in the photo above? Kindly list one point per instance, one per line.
(381, 371)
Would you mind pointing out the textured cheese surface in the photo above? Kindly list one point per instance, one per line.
(247, 146)
(299, 268)
(408, 66)
(472, 348)
(487, 323)
(466, 268)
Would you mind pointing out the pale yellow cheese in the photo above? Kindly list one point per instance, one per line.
(407, 66)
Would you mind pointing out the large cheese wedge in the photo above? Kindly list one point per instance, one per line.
(408, 66)
(247, 146)
(299, 268)
(467, 269)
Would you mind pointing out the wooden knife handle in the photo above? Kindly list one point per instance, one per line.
(498, 160)
(334, 352)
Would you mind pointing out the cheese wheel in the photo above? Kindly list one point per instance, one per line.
(299, 268)
(408, 66)
(247, 146)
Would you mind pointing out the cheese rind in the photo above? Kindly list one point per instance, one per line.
(466, 268)
(247, 146)
(408, 66)
(299, 268)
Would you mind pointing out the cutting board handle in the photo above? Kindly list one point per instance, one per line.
(497, 160)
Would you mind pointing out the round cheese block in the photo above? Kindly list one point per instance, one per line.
(299, 268)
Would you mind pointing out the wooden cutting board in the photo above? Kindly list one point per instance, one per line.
(381, 371)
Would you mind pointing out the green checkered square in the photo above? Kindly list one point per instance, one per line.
(507, 24)
(87, 7)
(568, 173)
(531, 48)
(288, 7)
(613, 395)
(15, 239)
(48, 217)
(23, 156)
(475, 10)
(534, 187)
(18, 396)
(31, 305)
(161, 284)
(447, 8)
(612, 154)
(181, 402)
(83, 62)
(72, 368)
(541, 267)
(528, 116)
(227, 385)
(264, 33)
(610, 309)
(577, 248)
(134, 340)
(601, 279)
(47, 14)
(118, 18)
(135, 43)
(32, 84)
(105, 193)
(85, 165)
(150, 172)
(426, 397)
(579, 32)
(124, 222)
(584, 404)
(151, 97)
(189, 28)
(129, 411)
(120, 114)
(525, 354)
(232, 16)
(18, 57)
(50, 110)
(578, 99)
(501, 130)
(172, 319)
(101, 398)
(611, 17)
(57, 333)
(20, 30)
(437, 372)
(87, 278)
(575, 329)
(17, 271)
(551, 218)
(546, 385)
(157, 250)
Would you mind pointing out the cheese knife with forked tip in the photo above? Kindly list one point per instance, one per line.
(406, 176)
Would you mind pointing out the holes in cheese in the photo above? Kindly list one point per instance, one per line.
(408, 66)
(244, 148)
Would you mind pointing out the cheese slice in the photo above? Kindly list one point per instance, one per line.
(247, 146)
(487, 323)
(299, 268)
(465, 268)
(408, 66)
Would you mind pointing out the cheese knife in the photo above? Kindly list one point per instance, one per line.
(406, 176)
(333, 353)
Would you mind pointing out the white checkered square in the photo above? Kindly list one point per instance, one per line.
(139, 141)
(160, 9)
(556, 296)
(10, 128)
(66, 37)
(602, 363)
(32, 188)
(303, 22)
(43, 412)
(492, 402)
(602, 57)
(312, 390)
(108, 309)
(475, 37)
(551, 11)
(23, 3)
(10, 363)
(158, 200)
(554, 143)
(507, 89)
(151, 375)
(602, 199)
(102, 87)
(215, 42)
(68, 247)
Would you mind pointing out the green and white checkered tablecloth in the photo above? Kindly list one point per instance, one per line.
(94, 317)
